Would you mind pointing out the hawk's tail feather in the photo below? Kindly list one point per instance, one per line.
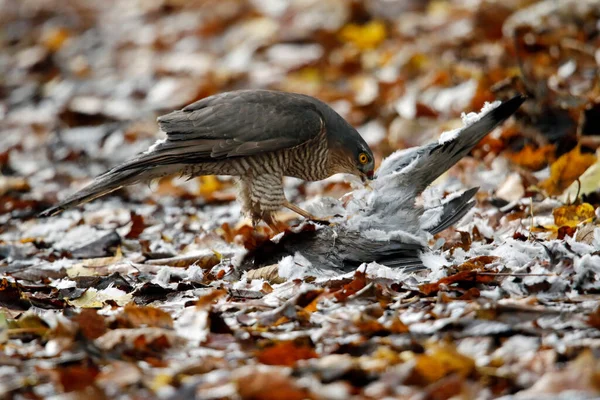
(114, 179)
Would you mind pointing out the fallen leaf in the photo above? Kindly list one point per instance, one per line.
(137, 317)
(286, 353)
(119, 373)
(582, 374)
(365, 37)
(77, 377)
(55, 38)
(209, 184)
(10, 183)
(269, 385)
(566, 170)
(533, 158)
(358, 282)
(573, 215)
(91, 325)
(93, 298)
(137, 226)
(210, 298)
(438, 362)
(11, 297)
(470, 277)
(27, 324)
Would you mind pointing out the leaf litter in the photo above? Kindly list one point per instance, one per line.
(166, 292)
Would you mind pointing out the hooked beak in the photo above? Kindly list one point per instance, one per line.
(367, 177)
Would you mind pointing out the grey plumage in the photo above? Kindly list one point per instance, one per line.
(388, 227)
(258, 135)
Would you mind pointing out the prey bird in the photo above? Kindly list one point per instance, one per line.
(385, 224)
(258, 135)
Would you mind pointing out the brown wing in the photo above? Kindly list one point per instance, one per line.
(240, 123)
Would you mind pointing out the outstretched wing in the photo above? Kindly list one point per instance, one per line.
(422, 165)
(241, 123)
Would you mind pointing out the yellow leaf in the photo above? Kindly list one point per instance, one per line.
(55, 38)
(89, 266)
(440, 361)
(93, 298)
(365, 37)
(566, 170)
(573, 215)
(588, 183)
(208, 185)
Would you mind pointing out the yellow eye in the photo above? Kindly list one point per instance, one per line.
(363, 158)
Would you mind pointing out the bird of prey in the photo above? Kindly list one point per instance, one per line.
(387, 226)
(258, 135)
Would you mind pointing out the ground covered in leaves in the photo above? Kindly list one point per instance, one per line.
(138, 295)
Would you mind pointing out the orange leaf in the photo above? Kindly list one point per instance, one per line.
(359, 282)
(286, 353)
(210, 298)
(566, 170)
(55, 38)
(533, 158)
(572, 215)
(477, 263)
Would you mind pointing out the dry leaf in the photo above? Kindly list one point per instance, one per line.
(566, 170)
(469, 276)
(440, 361)
(358, 282)
(91, 325)
(367, 36)
(260, 385)
(533, 158)
(573, 215)
(137, 317)
(286, 353)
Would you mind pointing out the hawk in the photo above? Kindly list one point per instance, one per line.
(259, 136)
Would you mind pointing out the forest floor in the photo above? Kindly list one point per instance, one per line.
(139, 295)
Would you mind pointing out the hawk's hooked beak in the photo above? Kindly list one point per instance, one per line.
(367, 177)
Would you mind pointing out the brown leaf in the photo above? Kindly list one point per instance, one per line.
(91, 324)
(594, 319)
(258, 385)
(77, 377)
(137, 227)
(358, 282)
(11, 297)
(210, 298)
(136, 317)
(477, 263)
(470, 277)
(286, 353)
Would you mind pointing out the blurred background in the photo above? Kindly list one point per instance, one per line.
(81, 82)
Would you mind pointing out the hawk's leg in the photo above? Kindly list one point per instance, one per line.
(305, 213)
(262, 196)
